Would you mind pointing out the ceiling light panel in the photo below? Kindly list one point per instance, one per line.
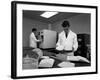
(48, 14)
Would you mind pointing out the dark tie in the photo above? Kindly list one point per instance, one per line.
(66, 35)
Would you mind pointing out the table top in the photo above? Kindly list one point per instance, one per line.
(57, 61)
(50, 52)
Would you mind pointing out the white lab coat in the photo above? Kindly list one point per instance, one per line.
(68, 43)
(33, 40)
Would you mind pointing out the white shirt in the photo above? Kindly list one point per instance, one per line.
(33, 40)
(67, 43)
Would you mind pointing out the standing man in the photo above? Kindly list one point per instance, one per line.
(67, 40)
(33, 40)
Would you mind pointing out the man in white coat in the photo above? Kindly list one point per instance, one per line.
(67, 39)
(33, 39)
(67, 44)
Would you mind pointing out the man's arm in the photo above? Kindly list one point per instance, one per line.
(58, 45)
(75, 43)
(34, 38)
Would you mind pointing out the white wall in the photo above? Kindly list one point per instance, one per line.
(28, 24)
(78, 24)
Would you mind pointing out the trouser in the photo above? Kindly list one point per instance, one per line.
(69, 53)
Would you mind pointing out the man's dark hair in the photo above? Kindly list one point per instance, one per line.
(65, 24)
(34, 29)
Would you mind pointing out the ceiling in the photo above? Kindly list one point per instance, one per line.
(35, 15)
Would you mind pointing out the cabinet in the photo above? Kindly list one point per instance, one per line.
(83, 45)
(49, 39)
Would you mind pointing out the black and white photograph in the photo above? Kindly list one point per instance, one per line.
(57, 41)
(53, 39)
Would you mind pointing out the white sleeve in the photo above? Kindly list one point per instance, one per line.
(34, 38)
(59, 40)
(59, 46)
(75, 43)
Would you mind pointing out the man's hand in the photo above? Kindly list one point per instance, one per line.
(61, 57)
(39, 40)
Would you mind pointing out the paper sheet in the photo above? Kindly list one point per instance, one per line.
(46, 62)
(66, 64)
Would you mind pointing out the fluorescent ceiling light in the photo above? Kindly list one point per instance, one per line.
(48, 14)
